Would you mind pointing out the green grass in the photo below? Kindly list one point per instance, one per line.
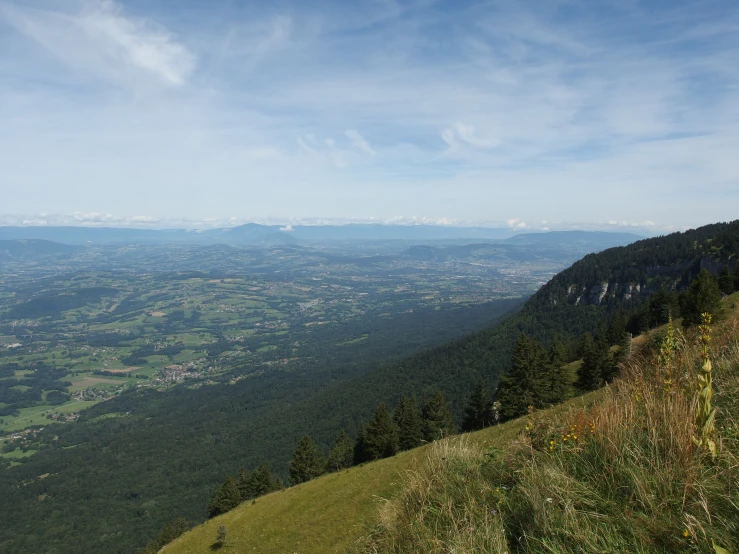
(636, 484)
(331, 513)
(37, 415)
(17, 454)
(353, 341)
(622, 476)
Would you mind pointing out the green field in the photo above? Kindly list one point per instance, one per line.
(330, 513)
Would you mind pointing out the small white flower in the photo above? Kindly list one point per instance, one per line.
(548, 500)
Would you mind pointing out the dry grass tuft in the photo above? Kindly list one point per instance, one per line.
(623, 476)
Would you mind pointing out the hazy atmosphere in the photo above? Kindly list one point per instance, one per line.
(521, 114)
(369, 277)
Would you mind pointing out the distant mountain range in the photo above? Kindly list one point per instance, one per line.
(32, 249)
(253, 233)
(524, 247)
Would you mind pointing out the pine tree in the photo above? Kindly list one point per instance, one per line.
(594, 365)
(408, 419)
(381, 435)
(360, 454)
(702, 296)
(479, 410)
(169, 532)
(520, 388)
(437, 419)
(307, 462)
(243, 485)
(617, 327)
(553, 383)
(726, 281)
(342, 454)
(261, 482)
(620, 354)
(659, 308)
(736, 277)
(225, 498)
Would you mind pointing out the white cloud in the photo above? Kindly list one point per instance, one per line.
(359, 141)
(516, 223)
(287, 229)
(539, 115)
(462, 134)
(103, 41)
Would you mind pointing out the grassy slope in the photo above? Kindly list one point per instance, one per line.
(332, 512)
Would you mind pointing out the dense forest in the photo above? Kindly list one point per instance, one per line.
(133, 463)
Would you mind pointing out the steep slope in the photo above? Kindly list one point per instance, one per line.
(573, 302)
(538, 493)
(141, 459)
(124, 464)
(331, 513)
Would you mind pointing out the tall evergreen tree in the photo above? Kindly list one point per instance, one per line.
(243, 485)
(169, 532)
(408, 419)
(225, 498)
(438, 421)
(261, 482)
(702, 296)
(736, 277)
(617, 327)
(659, 307)
(726, 281)
(381, 435)
(307, 462)
(342, 453)
(360, 454)
(479, 410)
(594, 365)
(520, 387)
(553, 383)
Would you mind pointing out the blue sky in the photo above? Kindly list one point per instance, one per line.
(548, 114)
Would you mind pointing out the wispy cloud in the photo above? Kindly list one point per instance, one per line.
(101, 40)
(358, 141)
(600, 111)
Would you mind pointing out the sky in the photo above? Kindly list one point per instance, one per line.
(542, 114)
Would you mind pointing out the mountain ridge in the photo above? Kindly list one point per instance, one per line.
(254, 233)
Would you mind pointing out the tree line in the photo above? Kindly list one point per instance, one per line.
(538, 378)
(384, 435)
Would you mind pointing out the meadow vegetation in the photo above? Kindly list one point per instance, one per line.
(650, 468)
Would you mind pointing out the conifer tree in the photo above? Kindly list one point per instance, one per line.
(438, 421)
(702, 296)
(659, 307)
(520, 388)
(307, 462)
(381, 435)
(408, 419)
(736, 277)
(553, 383)
(360, 455)
(225, 498)
(261, 482)
(617, 327)
(342, 453)
(594, 365)
(479, 410)
(243, 485)
(726, 281)
(169, 532)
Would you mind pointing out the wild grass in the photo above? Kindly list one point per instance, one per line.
(630, 474)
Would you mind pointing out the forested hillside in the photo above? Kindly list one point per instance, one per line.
(143, 459)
